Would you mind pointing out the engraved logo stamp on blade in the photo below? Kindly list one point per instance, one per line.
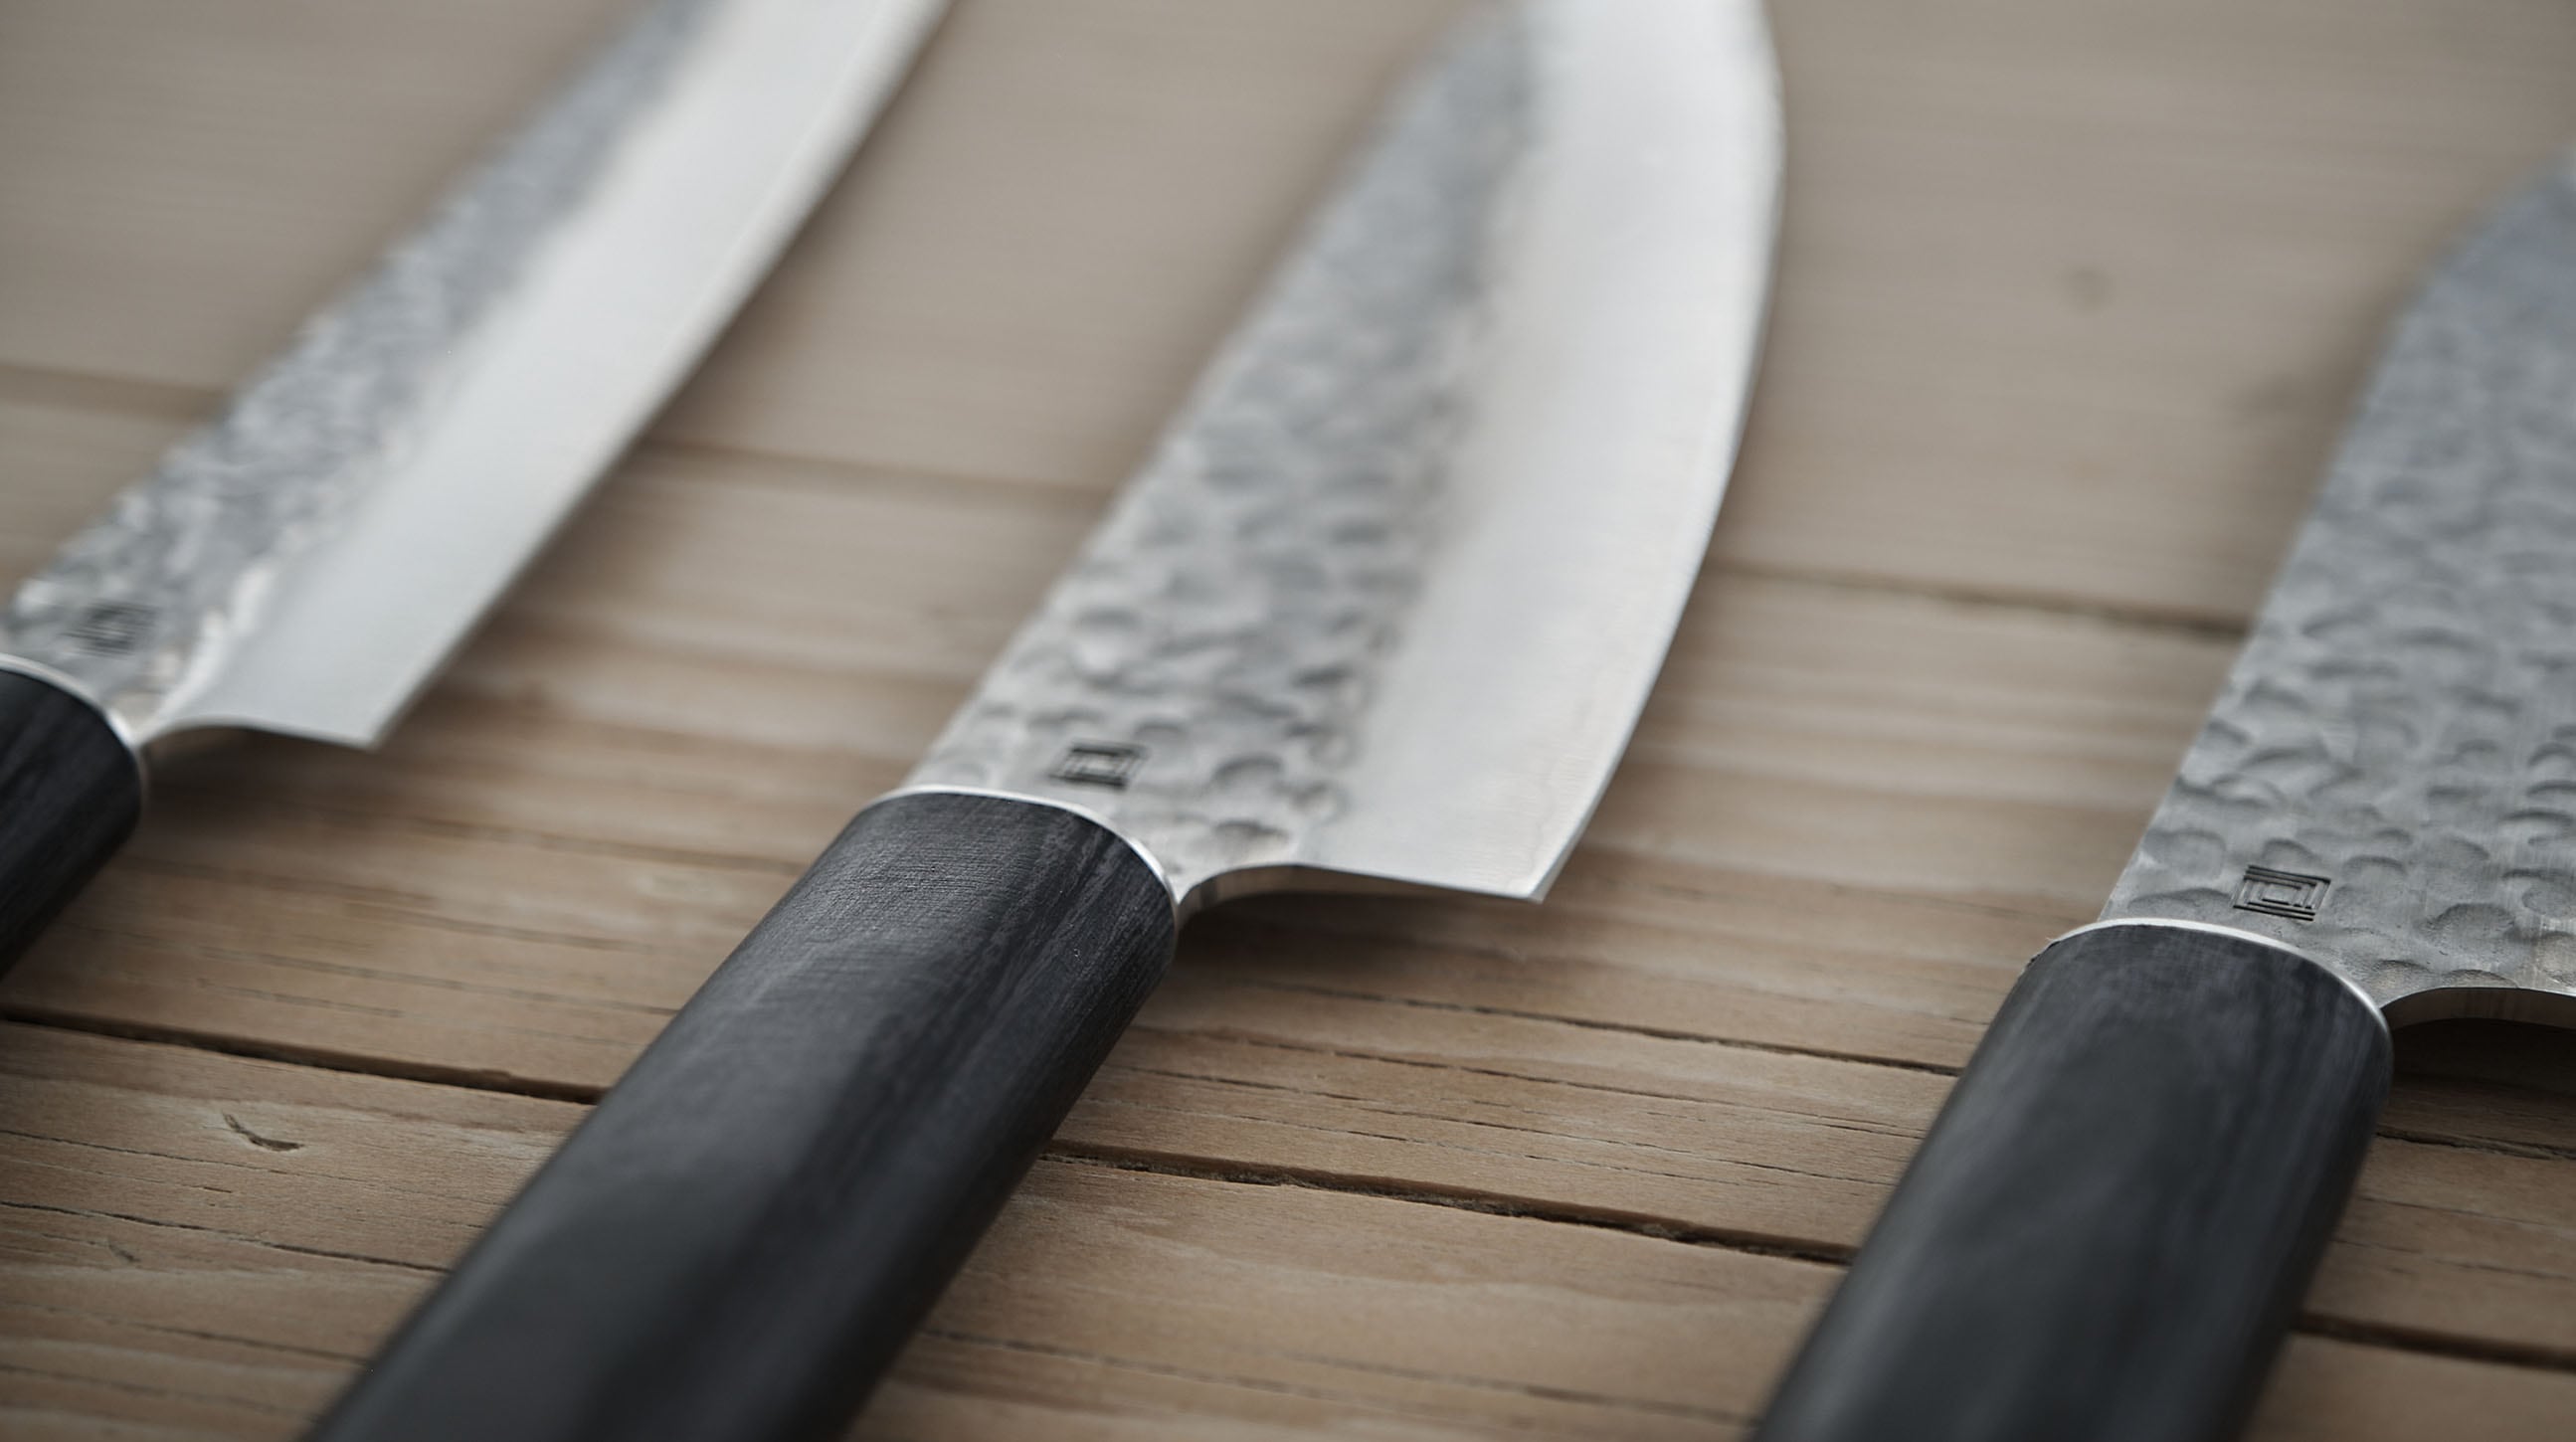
(1100, 763)
(2400, 718)
(2281, 893)
(112, 628)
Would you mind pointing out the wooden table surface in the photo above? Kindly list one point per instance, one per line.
(2072, 298)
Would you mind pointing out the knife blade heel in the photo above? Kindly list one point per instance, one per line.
(70, 790)
(737, 1242)
(303, 561)
(2108, 1229)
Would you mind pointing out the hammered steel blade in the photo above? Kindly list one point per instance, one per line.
(304, 561)
(1384, 602)
(1387, 597)
(2388, 780)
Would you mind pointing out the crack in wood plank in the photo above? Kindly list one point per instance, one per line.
(1487, 1203)
(1958, 621)
(246, 1238)
(1223, 1379)
(1618, 1028)
(313, 1058)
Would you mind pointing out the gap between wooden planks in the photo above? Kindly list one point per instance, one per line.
(2070, 303)
(205, 1244)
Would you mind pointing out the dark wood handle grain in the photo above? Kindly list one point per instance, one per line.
(2108, 1229)
(737, 1242)
(70, 790)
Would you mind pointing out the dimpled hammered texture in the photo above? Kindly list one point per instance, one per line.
(1198, 676)
(2388, 780)
(156, 593)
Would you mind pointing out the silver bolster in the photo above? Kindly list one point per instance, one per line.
(1086, 813)
(2238, 934)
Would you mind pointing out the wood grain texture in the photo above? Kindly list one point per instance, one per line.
(2072, 299)
(743, 1233)
(204, 1245)
(2110, 1225)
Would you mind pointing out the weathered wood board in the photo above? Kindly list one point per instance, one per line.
(2072, 299)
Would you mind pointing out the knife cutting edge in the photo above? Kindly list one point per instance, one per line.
(1381, 607)
(2108, 1229)
(305, 561)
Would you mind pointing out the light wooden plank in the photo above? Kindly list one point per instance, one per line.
(65, 458)
(2071, 301)
(1051, 226)
(2070, 306)
(1033, 258)
(1755, 1146)
(153, 1189)
(186, 181)
(1848, 815)
(206, 1244)
(1797, 858)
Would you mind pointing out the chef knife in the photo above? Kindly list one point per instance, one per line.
(303, 562)
(1381, 608)
(2108, 1229)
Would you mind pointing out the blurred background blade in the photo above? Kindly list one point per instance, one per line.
(305, 561)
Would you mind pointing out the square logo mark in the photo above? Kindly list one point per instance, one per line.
(112, 628)
(1100, 763)
(2281, 893)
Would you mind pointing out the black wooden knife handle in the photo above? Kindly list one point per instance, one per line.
(70, 789)
(739, 1239)
(2107, 1232)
